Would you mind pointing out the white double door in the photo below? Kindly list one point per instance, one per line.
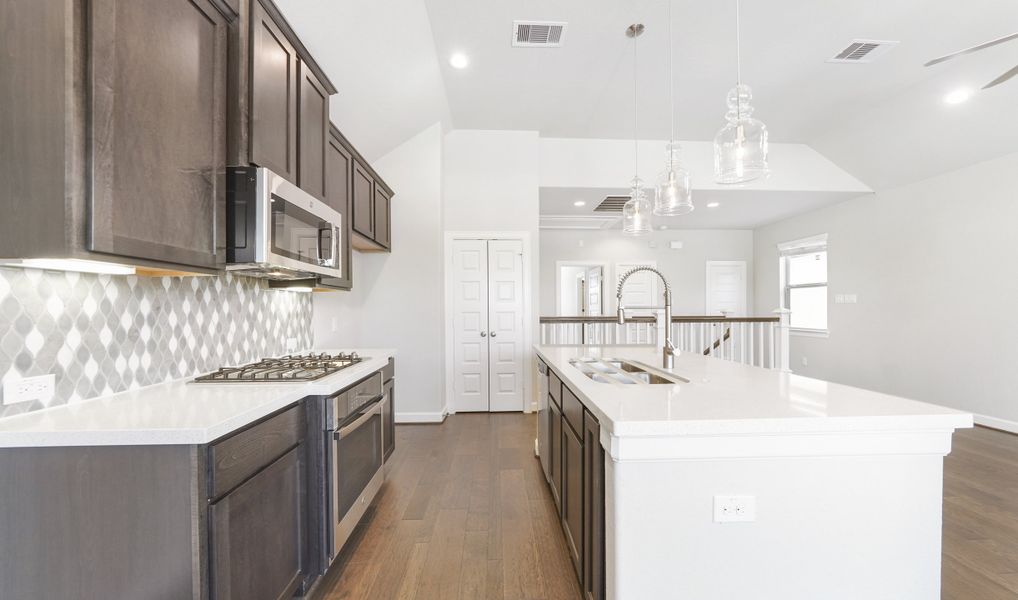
(488, 325)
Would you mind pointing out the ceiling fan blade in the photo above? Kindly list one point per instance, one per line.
(983, 46)
(1008, 75)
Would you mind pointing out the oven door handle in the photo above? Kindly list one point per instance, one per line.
(346, 430)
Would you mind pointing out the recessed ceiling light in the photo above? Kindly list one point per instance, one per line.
(713, 204)
(579, 203)
(958, 96)
(663, 227)
(459, 60)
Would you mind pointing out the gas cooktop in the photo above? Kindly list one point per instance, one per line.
(305, 367)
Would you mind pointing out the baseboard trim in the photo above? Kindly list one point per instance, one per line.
(420, 417)
(995, 423)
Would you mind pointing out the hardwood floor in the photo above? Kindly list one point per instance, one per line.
(981, 516)
(465, 513)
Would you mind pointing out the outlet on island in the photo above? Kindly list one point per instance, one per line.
(734, 509)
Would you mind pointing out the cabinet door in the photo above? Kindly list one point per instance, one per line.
(273, 118)
(339, 181)
(257, 534)
(555, 448)
(158, 132)
(383, 204)
(363, 202)
(312, 134)
(593, 510)
(572, 494)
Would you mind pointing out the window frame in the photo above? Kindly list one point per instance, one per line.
(788, 250)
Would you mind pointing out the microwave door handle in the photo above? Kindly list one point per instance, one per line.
(319, 245)
(361, 420)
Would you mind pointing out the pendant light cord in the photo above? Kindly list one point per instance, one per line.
(671, 77)
(636, 112)
(738, 61)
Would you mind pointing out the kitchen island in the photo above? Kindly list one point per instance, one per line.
(741, 482)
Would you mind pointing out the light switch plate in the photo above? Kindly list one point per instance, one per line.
(734, 509)
(29, 389)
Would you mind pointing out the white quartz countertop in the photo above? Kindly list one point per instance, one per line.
(177, 412)
(728, 398)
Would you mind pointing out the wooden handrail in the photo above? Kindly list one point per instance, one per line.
(675, 319)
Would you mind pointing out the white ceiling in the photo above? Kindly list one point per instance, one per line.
(738, 208)
(862, 116)
(883, 122)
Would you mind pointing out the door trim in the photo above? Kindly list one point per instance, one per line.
(529, 322)
(725, 263)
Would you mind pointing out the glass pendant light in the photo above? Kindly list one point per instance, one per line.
(636, 213)
(674, 192)
(740, 148)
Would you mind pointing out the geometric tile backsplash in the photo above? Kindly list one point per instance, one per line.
(101, 334)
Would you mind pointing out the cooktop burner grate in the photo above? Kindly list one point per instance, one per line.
(305, 367)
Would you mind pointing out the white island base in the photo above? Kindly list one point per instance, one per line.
(847, 484)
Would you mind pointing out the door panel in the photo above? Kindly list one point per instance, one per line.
(273, 96)
(726, 288)
(470, 309)
(505, 305)
(158, 134)
(363, 202)
(572, 494)
(312, 134)
(382, 210)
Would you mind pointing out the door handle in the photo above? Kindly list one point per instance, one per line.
(492, 334)
(484, 334)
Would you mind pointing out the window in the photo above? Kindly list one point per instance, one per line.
(804, 282)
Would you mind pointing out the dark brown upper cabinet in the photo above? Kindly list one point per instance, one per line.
(158, 129)
(338, 194)
(312, 134)
(279, 113)
(363, 202)
(274, 79)
(371, 210)
(114, 128)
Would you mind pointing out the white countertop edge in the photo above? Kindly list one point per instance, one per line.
(68, 436)
(658, 435)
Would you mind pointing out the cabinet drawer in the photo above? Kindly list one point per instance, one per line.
(572, 410)
(241, 455)
(555, 387)
(389, 370)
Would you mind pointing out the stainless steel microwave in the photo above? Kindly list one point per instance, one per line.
(276, 230)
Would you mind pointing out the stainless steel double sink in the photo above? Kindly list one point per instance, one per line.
(624, 372)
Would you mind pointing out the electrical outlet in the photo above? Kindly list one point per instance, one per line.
(839, 298)
(334, 324)
(851, 298)
(29, 388)
(805, 361)
(734, 509)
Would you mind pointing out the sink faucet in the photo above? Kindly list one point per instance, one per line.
(668, 351)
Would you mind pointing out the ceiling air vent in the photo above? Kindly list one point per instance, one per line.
(862, 51)
(538, 34)
(612, 204)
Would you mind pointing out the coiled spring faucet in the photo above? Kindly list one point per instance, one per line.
(668, 351)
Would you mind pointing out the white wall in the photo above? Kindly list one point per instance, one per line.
(396, 296)
(934, 266)
(684, 268)
(490, 183)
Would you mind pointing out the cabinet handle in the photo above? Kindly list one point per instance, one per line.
(484, 334)
(492, 334)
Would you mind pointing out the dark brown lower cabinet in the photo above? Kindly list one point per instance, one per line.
(577, 482)
(389, 419)
(555, 416)
(572, 494)
(257, 535)
(593, 510)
